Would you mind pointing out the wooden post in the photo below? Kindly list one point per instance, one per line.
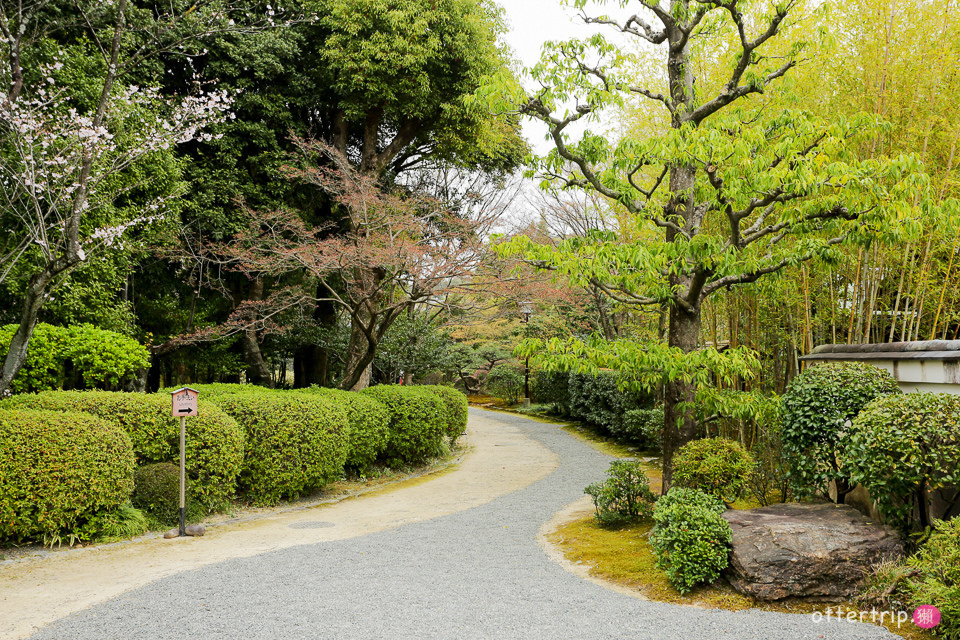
(183, 475)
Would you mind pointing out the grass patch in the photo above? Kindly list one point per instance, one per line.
(623, 555)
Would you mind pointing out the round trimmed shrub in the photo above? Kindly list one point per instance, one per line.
(156, 490)
(689, 542)
(695, 497)
(215, 441)
(902, 444)
(369, 422)
(456, 411)
(417, 424)
(818, 406)
(296, 442)
(716, 466)
(59, 469)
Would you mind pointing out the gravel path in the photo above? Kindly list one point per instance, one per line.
(474, 574)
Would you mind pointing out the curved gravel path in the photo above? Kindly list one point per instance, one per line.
(478, 573)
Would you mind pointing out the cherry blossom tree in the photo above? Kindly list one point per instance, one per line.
(61, 157)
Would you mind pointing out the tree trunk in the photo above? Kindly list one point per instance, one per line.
(30, 312)
(258, 372)
(679, 418)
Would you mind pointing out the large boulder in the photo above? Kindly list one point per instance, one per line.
(817, 551)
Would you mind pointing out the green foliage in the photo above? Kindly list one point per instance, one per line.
(601, 399)
(456, 409)
(118, 524)
(817, 409)
(156, 490)
(931, 576)
(624, 496)
(296, 442)
(215, 442)
(770, 473)
(553, 387)
(369, 423)
(690, 542)
(694, 497)
(900, 444)
(57, 470)
(716, 466)
(643, 427)
(414, 346)
(79, 356)
(417, 423)
(505, 382)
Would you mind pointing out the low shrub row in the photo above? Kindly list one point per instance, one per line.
(66, 457)
(603, 402)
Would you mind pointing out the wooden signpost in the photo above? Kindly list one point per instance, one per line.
(184, 404)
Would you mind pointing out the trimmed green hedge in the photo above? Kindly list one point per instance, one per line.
(900, 444)
(79, 356)
(58, 470)
(716, 466)
(215, 442)
(296, 442)
(369, 426)
(418, 423)
(456, 412)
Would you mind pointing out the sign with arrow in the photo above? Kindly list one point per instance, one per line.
(185, 402)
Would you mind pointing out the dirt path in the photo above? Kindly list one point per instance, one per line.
(35, 592)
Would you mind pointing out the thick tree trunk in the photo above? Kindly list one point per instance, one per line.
(679, 418)
(358, 369)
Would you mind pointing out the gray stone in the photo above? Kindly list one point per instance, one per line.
(817, 551)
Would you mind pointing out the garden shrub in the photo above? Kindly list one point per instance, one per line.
(215, 442)
(694, 497)
(717, 466)
(902, 444)
(600, 400)
(553, 388)
(931, 576)
(79, 356)
(296, 442)
(624, 496)
(369, 422)
(505, 382)
(59, 469)
(817, 408)
(456, 411)
(156, 490)
(417, 424)
(122, 523)
(689, 541)
(770, 473)
(643, 427)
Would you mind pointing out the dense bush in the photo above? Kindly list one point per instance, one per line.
(694, 497)
(369, 423)
(156, 490)
(689, 541)
(624, 496)
(295, 441)
(553, 388)
(817, 408)
(505, 382)
(901, 445)
(599, 400)
(57, 470)
(215, 442)
(931, 576)
(122, 523)
(716, 466)
(643, 427)
(417, 423)
(79, 356)
(456, 411)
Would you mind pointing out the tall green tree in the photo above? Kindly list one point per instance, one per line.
(734, 192)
